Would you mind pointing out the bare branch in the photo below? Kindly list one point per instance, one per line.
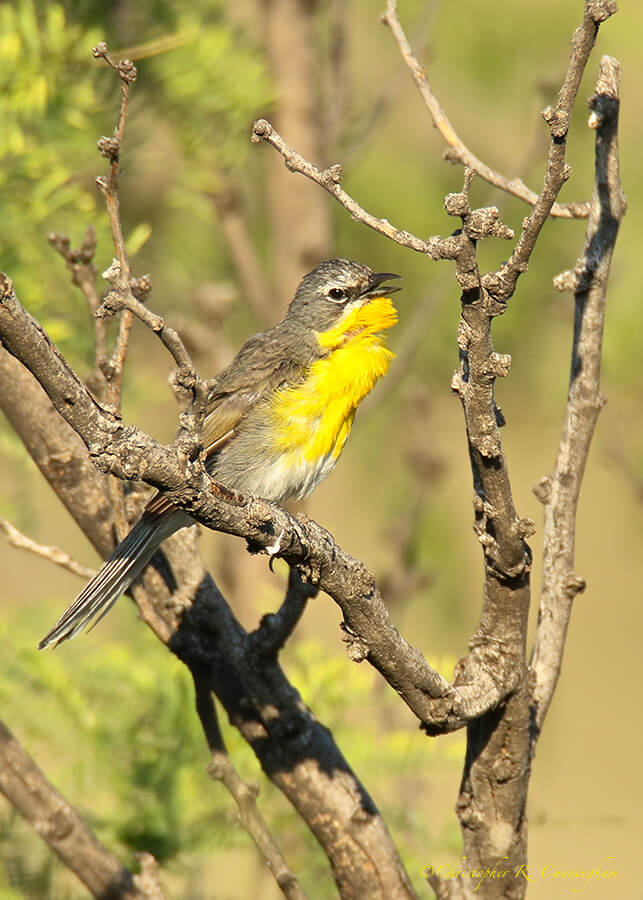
(560, 491)
(244, 795)
(276, 628)
(458, 152)
(110, 148)
(79, 262)
(148, 879)
(330, 179)
(53, 554)
(502, 284)
(116, 301)
(57, 823)
(57, 451)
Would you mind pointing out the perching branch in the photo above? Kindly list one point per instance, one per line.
(560, 491)
(131, 454)
(457, 151)
(182, 605)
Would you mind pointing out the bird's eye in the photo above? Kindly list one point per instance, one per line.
(337, 294)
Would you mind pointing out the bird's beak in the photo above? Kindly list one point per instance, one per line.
(376, 286)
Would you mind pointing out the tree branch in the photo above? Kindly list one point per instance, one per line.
(330, 179)
(502, 284)
(182, 605)
(221, 769)
(131, 454)
(491, 805)
(110, 148)
(560, 491)
(79, 262)
(57, 823)
(57, 451)
(457, 151)
(275, 628)
(53, 554)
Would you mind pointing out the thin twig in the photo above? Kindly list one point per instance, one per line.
(53, 554)
(560, 491)
(502, 283)
(458, 152)
(115, 301)
(330, 179)
(110, 148)
(79, 262)
(220, 768)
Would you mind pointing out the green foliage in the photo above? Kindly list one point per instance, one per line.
(200, 86)
(48, 97)
(26, 870)
(208, 86)
(140, 739)
(126, 749)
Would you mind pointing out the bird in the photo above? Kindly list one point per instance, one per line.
(278, 416)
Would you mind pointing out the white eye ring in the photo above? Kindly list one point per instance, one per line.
(337, 295)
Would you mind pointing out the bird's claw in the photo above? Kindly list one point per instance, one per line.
(273, 549)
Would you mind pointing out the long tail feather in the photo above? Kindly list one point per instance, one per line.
(116, 575)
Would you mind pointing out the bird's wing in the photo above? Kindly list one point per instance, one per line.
(262, 365)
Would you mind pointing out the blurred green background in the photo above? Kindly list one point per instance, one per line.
(109, 717)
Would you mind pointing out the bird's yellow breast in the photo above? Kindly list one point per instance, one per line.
(314, 419)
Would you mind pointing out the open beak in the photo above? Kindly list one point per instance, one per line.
(376, 286)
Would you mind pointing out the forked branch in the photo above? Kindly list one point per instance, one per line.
(457, 151)
(560, 491)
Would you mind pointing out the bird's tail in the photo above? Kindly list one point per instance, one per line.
(117, 573)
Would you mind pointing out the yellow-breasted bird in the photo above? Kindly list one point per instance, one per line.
(278, 415)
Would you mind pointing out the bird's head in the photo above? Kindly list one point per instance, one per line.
(340, 290)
